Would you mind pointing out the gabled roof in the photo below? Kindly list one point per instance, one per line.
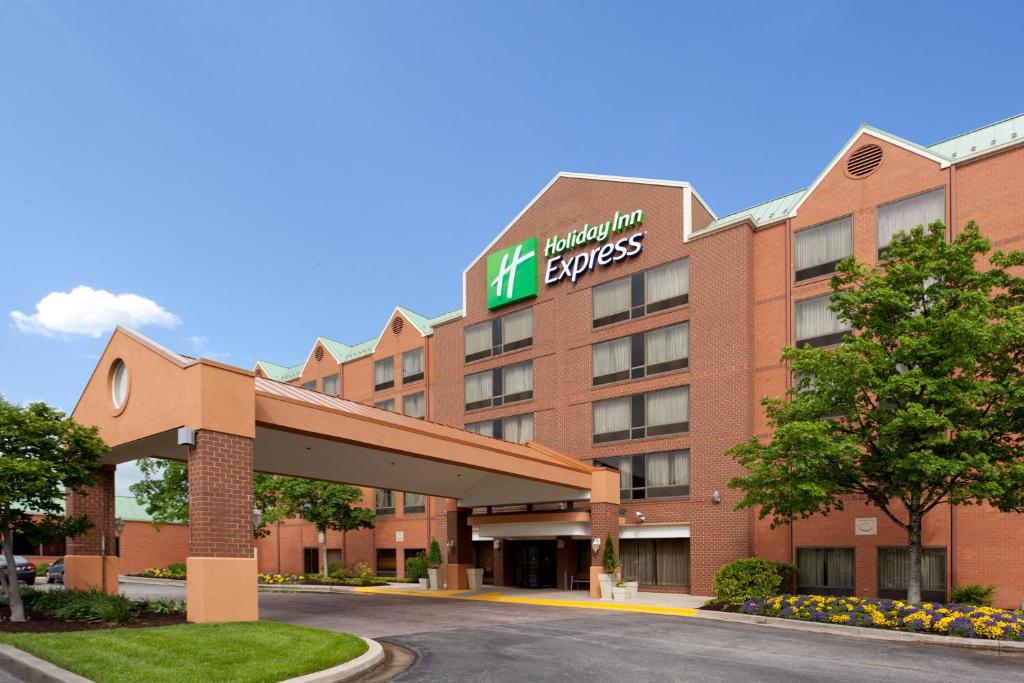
(982, 140)
(422, 323)
(281, 373)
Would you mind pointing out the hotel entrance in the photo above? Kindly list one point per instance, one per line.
(534, 564)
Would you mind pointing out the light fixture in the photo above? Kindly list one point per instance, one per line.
(596, 544)
(257, 518)
(716, 497)
(450, 543)
(497, 544)
(119, 526)
(640, 517)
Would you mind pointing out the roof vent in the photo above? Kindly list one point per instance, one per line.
(319, 353)
(864, 161)
(396, 325)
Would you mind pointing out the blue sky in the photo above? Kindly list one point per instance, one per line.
(256, 171)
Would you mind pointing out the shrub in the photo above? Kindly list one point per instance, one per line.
(609, 560)
(977, 594)
(77, 605)
(41, 568)
(416, 567)
(177, 568)
(434, 558)
(749, 578)
(336, 571)
(164, 606)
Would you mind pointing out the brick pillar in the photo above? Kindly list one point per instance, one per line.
(221, 564)
(604, 520)
(459, 556)
(90, 561)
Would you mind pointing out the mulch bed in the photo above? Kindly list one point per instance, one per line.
(716, 607)
(38, 623)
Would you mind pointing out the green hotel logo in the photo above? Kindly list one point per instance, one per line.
(512, 274)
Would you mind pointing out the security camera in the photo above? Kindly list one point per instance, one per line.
(640, 516)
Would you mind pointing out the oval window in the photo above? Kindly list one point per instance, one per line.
(119, 384)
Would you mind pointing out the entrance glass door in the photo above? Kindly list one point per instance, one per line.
(535, 564)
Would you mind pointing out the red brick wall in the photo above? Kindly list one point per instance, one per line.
(143, 547)
(97, 503)
(220, 495)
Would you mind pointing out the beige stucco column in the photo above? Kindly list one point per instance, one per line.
(604, 520)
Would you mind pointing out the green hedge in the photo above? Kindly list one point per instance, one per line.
(751, 578)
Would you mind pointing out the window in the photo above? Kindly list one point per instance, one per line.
(412, 366)
(311, 560)
(646, 353)
(894, 573)
(387, 562)
(332, 385)
(499, 386)
(656, 561)
(641, 294)
(816, 324)
(654, 475)
(907, 214)
(516, 428)
(656, 413)
(386, 405)
(311, 385)
(825, 571)
(384, 500)
(414, 405)
(413, 502)
(384, 374)
(817, 250)
(500, 335)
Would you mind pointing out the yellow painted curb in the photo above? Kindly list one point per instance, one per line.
(510, 600)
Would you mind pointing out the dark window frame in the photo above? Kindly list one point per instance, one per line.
(386, 510)
(640, 477)
(639, 307)
(638, 365)
(805, 274)
(498, 347)
(901, 593)
(638, 419)
(837, 591)
(416, 376)
(306, 385)
(384, 385)
(945, 212)
(382, 405)
(820, 341)
(412, 509)
(498, 425)
(408, 396)
(498, 397)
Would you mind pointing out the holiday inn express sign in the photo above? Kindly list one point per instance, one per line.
(512, 271)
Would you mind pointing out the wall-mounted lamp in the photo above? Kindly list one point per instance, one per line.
(716, 497)
(596, 544)
(497, 544)
(450, 544)
(257, 518)
(640, 517)
(119, 526)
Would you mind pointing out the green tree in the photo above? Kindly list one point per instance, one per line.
(43, 456)
(609, 560)
(324, 505)
(922, 405)
(434, 557)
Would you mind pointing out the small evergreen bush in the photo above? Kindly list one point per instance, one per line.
(609, 560)
(435, 559)
(976, 594)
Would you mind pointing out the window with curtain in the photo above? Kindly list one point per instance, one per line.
(906, 214)
(415, 405)
(515, 428)
(655, 413)
(384, 374)
(817, 250)
(894, 573)
(507, 384)
(311, 385)
(501, 335)
(642, 354)
(485, 427)
(656, 561)
(652, 475)
(386, 405)
(412, 366)
(816, 324)
(332, 385)
(640, 294)
(825, 571)
(384, 501)
(413, 502)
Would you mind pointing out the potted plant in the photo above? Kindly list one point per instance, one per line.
(434, 562)
(610, 563)
(632, 588)
(619, 591)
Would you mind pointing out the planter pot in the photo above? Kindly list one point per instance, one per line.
(632, 588)
(435, 583)
(475, 578)
(607, 581)
(424, 584)
(620, 593)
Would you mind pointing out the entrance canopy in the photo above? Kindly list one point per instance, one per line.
(141, 394)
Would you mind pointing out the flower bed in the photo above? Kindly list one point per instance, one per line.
(174, 571)
(319, 580)
(964, 621)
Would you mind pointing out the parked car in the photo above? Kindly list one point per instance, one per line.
(55, 572)
(26, 570)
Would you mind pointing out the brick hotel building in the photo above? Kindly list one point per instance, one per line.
(646, 345)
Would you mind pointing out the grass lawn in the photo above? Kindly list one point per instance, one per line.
(251, 652)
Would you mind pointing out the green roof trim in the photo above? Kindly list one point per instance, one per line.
(773, 209)
(280, 373)
(125, 507)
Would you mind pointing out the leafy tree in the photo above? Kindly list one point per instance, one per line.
(164, 492)
(43, 455)
(324, 505)
(434, 557)
(921, 406)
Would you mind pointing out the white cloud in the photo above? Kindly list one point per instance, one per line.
(199, 341)
(91, 312)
